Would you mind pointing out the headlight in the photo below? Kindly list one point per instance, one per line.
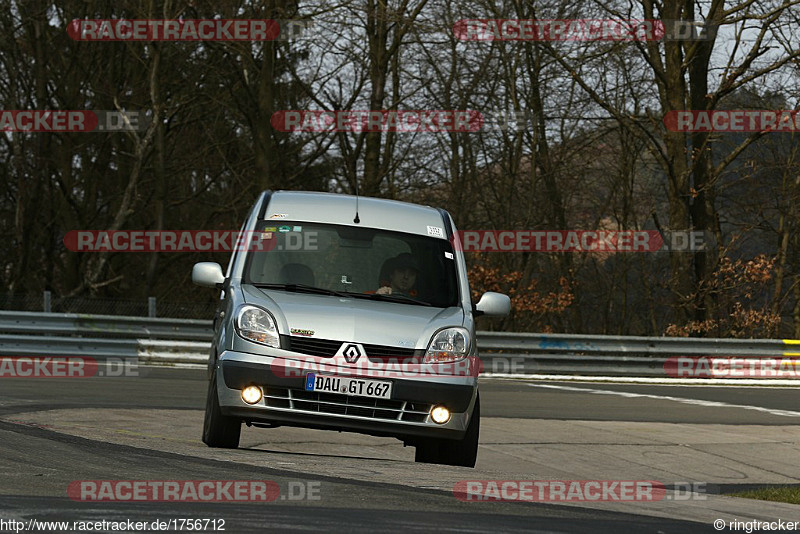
(448, 345)
(255, 324)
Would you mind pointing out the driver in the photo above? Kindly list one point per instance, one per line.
(402, 276)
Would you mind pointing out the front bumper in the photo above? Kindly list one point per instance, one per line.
(285, 402)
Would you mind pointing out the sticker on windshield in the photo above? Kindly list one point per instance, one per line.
(279, 216)
(448, 255)
(266, 235)
(270, 229)
(284, 229)
(435, 231)
(297, 229)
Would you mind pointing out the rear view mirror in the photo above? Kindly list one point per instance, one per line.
(207, 274)
(350, 237)
(494, 304)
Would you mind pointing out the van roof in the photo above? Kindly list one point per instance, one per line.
(332, 208)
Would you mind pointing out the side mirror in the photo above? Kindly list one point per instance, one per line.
(207, 274)
(493, 304)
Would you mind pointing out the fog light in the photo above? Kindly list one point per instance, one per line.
(251, 394)
(440, 414)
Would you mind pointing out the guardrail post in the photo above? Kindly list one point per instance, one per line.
(151, 306)
(46, 304)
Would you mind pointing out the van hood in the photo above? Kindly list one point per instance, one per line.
(354, 319)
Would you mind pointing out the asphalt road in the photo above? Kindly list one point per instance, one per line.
(186, 388)
(56, 431)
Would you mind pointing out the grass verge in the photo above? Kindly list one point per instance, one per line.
(790, 494)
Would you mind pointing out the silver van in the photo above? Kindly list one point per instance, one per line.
(347, 313)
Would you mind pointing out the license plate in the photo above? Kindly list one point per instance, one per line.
(342, 385)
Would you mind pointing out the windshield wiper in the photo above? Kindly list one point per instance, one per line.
(396, 297)
(301, 288)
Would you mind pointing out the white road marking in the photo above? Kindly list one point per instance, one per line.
(656, 381)
(695, 402)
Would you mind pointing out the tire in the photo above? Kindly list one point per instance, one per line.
(462, 452)
(218, 430)
(428, 451)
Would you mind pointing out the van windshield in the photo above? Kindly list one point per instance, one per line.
(359, 262)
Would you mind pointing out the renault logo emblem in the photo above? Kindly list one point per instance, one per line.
(351, 353)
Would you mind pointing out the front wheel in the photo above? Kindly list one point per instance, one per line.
(462, 452)
(219, 430)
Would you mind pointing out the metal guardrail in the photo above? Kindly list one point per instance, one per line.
(176, 341)
(104, 336)
(114, 326)
(595, 355)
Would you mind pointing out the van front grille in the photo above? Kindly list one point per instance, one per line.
(328, 403)
(313, 347)
(327, 348)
